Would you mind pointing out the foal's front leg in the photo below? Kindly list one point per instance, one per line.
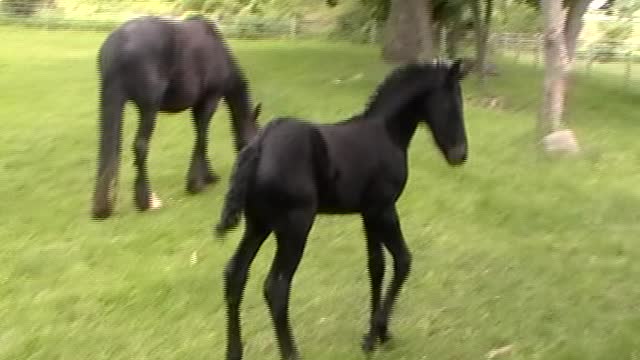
(375, 264)
(200, 173)
(384, 226)
(291, 235)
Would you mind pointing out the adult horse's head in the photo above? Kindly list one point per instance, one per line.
(443, 112)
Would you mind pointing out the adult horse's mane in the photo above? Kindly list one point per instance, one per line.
(402, 85)
(209, 24)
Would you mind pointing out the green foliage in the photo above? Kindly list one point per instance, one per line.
(354, 22)
(23, 8)
(615, 33)
(517, 17)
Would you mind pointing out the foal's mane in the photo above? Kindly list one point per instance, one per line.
(403, 85)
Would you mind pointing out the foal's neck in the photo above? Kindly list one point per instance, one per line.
(401, 127)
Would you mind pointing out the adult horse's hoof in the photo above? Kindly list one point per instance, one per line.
(195, 186)
(101, 213)
(154, 202)
(211, 178)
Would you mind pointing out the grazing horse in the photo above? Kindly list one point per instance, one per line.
(165, 66)
(293, 170)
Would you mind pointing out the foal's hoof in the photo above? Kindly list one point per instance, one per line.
(368, 344)
(384, 337)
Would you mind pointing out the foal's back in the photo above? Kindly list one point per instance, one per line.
(340, 168)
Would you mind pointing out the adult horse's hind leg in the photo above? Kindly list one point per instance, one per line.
(291, 236)
(236, 274)
(386, 226)
(200, 172)
(146, 125)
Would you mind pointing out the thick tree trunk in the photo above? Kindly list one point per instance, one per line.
(408, 32)
(573, 25)
(453, 34)
(556, 62)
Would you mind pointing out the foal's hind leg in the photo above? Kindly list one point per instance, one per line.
(291, 237)
(236, 274)
(200, 172)
(385, 225)
(146, 125)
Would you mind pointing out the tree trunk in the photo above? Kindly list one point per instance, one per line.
(482, 26)
(454, 34)
(554, 135)
(573, 25)
(556, 62)
(408, 32)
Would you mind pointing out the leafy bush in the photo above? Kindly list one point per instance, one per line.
(23, 8)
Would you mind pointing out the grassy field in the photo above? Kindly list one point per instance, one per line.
(512, 249)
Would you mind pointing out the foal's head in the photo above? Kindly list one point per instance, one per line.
(441, 110)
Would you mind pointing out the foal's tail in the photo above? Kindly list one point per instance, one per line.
(235, 200)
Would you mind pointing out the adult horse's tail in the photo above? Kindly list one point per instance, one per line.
(112, 100)
(235, 200)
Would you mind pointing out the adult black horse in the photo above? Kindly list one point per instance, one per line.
(294, 170)
(165, 66)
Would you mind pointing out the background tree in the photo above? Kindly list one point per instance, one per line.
(408, 35)
(482, 14)
(562, 25)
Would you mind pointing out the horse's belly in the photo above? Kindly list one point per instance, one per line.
(340, 199)
(179, 97)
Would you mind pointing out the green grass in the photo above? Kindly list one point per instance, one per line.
(510, 249)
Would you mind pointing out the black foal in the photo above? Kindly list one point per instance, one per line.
(294, 170)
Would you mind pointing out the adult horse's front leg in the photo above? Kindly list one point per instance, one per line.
(143, 197)
(200, 173)
(385, 226)
(291, 234)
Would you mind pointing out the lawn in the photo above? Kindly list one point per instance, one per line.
(511, 249)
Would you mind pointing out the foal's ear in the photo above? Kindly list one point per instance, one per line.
(461, 68)
(257, 110)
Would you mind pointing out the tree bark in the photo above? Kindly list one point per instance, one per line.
(453, 35)
(482, 26)
(556, 62)
(573, 25)
(408, 33)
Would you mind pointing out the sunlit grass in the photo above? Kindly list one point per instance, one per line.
(510, 249)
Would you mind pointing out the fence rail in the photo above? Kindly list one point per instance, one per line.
(624, 57)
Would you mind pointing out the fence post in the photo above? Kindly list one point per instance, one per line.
(537, 49)
(627, 69)
(590, 58)
(373, 32)
(293, 27)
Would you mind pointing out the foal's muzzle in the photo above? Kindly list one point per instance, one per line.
(457, 155)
